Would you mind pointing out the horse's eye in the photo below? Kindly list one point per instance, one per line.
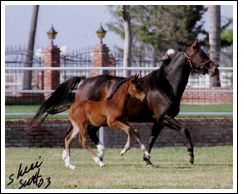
(207, 65)
(137, 87)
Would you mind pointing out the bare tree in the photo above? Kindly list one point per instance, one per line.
(31, 43)
(214, 39)
(128, 39)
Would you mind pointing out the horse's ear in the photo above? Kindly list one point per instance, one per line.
(134, 78)
(196, 44)
(137, 75)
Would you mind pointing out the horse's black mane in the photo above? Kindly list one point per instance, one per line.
(161, 69)
(117, 87)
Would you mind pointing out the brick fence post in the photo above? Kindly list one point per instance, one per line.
(102, 58)
(51, 59)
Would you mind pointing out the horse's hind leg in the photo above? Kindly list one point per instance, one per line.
(68, 140)
(174, 124)
(91, 131)
(83, 142)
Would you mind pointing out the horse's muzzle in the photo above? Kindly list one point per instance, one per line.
(213, 71)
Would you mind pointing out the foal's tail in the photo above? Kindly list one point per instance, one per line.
(60, 96)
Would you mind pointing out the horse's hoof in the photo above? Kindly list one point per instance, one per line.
(103, 166)
(72, 166)
(148, 163)
(122, 152)
(190, 159)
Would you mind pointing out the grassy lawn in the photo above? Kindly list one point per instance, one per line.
(213, 169)
(183, 108)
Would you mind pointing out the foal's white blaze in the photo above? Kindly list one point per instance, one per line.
(100, 149)
(97, 160)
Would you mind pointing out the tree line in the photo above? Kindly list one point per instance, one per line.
(167, 26)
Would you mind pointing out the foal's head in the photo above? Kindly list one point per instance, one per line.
(135, 89)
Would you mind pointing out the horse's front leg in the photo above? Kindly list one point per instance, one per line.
(174, 124)
(157, 128)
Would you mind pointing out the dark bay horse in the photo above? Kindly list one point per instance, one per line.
(163, 87)
(111, 112)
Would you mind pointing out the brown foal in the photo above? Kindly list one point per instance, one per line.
(110, 112)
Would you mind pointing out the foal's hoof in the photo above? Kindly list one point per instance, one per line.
(72, 166)
(103, 166)
(190, 159)
(149, 165)
(122, 152)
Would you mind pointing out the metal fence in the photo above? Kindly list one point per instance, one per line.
(16, 57)
(80, 59)
(79, 63)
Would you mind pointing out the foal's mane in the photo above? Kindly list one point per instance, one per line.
(120, 83)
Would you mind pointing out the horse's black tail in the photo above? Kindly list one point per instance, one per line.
(60, 96)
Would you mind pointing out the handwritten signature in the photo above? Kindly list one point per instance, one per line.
(35, 179)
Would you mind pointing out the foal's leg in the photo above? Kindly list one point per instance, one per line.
(67, 133)
(68, 140)
(91, 131)
(128, 144)
(83, 142)
(69, 130)
(128, 130)
(137, 135)
(174, 124)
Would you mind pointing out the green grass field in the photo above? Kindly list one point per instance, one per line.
(213, 169)
(183, 108)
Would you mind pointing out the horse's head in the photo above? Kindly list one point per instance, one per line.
(198, 60)
(135, 89)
